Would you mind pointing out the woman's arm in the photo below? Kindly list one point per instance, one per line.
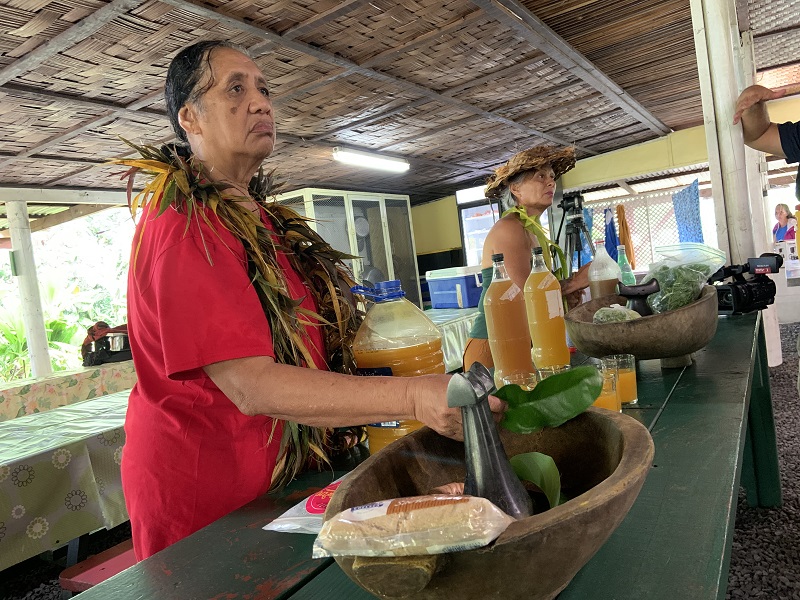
(259, 385)
(758, 131)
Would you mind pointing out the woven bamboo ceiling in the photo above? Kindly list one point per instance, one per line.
(453, 86)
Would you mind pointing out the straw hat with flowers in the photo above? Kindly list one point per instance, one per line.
(560, 160)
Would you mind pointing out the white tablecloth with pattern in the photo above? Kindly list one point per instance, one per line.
(60, 476)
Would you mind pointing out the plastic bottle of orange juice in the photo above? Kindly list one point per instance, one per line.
(545, 310)
(506, 318)
(397, 339)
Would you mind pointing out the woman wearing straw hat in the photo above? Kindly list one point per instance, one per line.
(525, 186)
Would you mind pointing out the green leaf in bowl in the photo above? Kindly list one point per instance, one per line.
(554, 400)
(540, 469)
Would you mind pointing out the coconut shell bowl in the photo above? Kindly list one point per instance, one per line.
(603, 458)
(671, 336)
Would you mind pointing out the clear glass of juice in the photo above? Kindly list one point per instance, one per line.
(625, 365)
(527, 381)
(609, 396)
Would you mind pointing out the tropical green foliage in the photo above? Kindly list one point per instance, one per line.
(82, 268)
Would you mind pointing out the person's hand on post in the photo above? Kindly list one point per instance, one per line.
(751, 96)
(428, 395)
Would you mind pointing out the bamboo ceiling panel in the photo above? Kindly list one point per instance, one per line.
(773, 15)
(387, 26)
(24, 123)
(104, 140)
(778, 49)
(636, 43)
(453, 85)
(104, 176)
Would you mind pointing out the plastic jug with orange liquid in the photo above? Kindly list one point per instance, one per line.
(396, 339)
(506, 320)
(545, 310)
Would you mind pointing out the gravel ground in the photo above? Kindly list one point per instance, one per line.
(765, 560)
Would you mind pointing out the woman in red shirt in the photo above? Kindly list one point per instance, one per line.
(223, 316)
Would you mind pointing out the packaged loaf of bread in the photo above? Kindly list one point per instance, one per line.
(432, 524)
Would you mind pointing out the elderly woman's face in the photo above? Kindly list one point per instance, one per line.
(780, 213)
(234, 116)
(535, 191)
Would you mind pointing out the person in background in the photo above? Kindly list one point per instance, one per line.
(785, 227)
(778, 139)
(237, 314)
(528, 181)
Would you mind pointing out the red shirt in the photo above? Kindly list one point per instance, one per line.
(190, 455)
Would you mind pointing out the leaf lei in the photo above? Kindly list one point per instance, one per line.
(178, 180)
(533, 225)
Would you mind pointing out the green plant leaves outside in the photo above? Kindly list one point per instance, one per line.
(540, 469)
(554, 400)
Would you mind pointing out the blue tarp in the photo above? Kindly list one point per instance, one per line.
(611, 233)
(687, 213)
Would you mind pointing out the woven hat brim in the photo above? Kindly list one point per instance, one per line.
(560, 160)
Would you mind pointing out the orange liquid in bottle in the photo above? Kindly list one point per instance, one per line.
(509, 339)
(545, 310)
(409, 361)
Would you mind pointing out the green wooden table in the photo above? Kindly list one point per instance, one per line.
(711, 423)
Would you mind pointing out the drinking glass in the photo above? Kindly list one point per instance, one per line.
(547, 371)
(527, 381)
(609, 396)
(625, 365)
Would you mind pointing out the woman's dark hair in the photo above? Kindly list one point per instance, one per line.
(184, 73)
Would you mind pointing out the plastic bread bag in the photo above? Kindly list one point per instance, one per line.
(681, 274)
(417, 525)
(306, 516)
(614, 314)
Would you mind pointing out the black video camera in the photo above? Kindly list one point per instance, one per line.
(571, 203)
(743, 295)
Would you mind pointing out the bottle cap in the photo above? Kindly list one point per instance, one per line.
(497, 257)
(537, 250)
(383, 290)
(621, 247)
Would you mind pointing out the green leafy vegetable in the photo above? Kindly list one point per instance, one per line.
(540, 469)
(680, 285)
(554, 400)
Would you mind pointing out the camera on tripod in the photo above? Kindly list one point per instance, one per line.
(744, 295)
(571, 203)
(572, 207)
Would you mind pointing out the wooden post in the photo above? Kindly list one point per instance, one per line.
(32, 315)
(756, 169)
(716, 41)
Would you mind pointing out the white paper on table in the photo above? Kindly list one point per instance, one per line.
(306, 516)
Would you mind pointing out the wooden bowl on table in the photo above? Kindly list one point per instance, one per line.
(603, 458)
(671, 336)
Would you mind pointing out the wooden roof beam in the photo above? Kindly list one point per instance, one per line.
(323, 18)
(515, 16)
(78, 32)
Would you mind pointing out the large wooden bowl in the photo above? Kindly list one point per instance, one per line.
(671, 335)
(603, 458)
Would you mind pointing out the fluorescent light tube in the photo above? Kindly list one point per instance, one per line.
(370, 161)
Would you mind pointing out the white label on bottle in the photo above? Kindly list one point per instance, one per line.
(555, 308)
(511, 293)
